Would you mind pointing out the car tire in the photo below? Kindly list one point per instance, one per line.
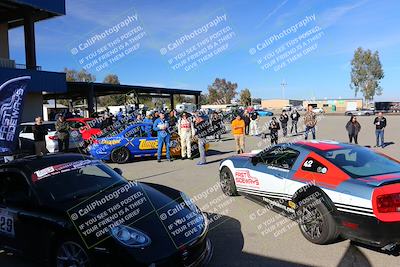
(120, 155)
(316, 223)
(227, 182)
(71, 253)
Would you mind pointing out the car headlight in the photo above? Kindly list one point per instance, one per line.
(130, 237)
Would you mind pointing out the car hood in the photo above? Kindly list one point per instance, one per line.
(383, 179)
(164, 214)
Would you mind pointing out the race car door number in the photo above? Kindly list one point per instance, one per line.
(6, 224)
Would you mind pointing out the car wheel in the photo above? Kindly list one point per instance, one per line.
(120, 155)
(227, 182)
(316, 223)
(70, 253)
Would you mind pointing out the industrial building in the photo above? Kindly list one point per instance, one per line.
(329, 105)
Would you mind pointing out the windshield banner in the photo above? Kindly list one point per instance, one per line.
(11, 104)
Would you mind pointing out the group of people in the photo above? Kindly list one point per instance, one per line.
(40, 131)
(353, 128)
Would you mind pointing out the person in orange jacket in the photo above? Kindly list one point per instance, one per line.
(238, 131)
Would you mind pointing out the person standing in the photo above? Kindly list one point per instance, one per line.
(62, 129)
(39, 136)
(380, 125)
(201, 131)
(254, 117)
(172, 120)
(186, 134)
(274, 128)
(217, 124)
(310, 121)
(238, 130)
(353, 127)
(163, 136)
(284, 118)
(120, 115)
(246, 119)
(295, 116)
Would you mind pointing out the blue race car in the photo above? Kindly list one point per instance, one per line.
(129, 140)
(264, 113)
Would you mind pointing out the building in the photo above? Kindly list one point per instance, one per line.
(335, 105)
(25, 13)
(329, 105)
(279, 103)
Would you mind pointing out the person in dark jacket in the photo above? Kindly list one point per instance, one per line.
(217, 124)
(274, 127)
(62, 129)
(295, 116)
(284, 118)
(246, 119)
(380, 125)
(39, 136)
(353, 127)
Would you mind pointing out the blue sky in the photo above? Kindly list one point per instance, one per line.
(324, 72)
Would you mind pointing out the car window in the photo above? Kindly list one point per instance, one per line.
(51, 127)
(360, 162)
(76, 124)
(313, 165)
(14, 189)
(27, 129)
(133, 132)
(280, 157)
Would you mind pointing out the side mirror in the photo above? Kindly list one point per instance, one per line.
(118, 170)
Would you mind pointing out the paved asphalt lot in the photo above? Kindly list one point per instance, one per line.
(237, 239)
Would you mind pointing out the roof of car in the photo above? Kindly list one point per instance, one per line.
(41, 162)
(33, 123)
(322, 145)
(80, 119)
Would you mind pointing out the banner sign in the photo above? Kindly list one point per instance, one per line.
(11, 103)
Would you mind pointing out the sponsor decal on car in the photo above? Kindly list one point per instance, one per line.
(147, 144)
(244, 178)
(110, 142)
(60, 168)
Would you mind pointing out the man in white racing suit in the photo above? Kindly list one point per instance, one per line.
(186, 133)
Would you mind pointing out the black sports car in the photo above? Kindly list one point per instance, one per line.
(72, 210)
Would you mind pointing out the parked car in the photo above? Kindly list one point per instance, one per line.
(132, 140)
(26, 140)
(329, 188)
(88, 127)
(318, 110)
(264, 112)
(71, 210)
(287, 108)
(360, 112)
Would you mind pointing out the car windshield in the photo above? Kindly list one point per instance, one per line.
(74, 180)
(361, 162)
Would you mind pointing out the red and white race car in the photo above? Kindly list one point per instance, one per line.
(330, 188)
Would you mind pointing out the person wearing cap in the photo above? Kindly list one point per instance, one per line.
(238, 130)
(186, 133)
(161, 125)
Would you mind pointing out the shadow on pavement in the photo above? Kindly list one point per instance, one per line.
(227, 238)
